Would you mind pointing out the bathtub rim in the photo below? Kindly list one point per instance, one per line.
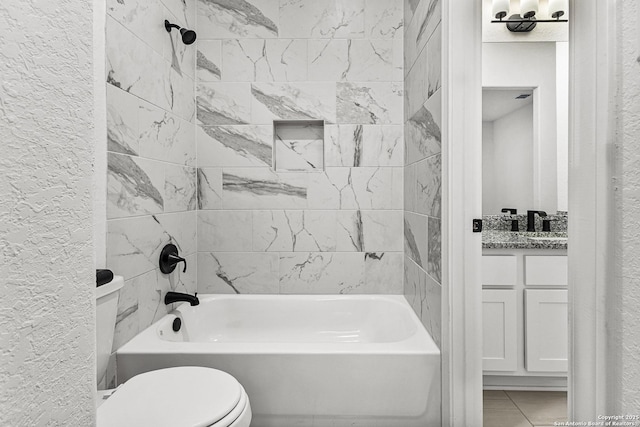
(148, 342)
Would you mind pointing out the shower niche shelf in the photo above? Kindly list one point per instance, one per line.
(298, 145)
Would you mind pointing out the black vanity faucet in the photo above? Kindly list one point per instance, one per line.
(514, 222)
(531, 219)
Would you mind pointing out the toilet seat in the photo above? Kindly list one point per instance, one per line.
(186, 396)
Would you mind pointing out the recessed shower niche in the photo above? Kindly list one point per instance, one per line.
(298, 145)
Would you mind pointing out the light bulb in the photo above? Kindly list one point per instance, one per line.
(528, 8)
(558, 8)
(500, 9)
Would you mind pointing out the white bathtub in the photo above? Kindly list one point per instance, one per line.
(305, 360)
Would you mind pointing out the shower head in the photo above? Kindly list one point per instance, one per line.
(188, 36)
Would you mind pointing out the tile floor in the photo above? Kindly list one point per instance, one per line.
(524, 408)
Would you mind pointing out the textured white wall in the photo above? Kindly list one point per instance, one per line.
(47, 367)
(628, 115)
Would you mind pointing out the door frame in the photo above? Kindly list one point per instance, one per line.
(592, 214)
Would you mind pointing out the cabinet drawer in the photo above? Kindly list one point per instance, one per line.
(546, 270)
(499, 270)
(547, 330)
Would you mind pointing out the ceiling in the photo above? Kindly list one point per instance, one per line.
(497, 103)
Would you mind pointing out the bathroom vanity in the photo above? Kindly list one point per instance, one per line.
(525, 318)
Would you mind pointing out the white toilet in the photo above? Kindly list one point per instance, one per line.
(185, 396)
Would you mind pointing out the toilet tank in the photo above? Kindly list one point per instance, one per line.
(106, 312)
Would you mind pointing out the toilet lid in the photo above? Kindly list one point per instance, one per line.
(187, 396)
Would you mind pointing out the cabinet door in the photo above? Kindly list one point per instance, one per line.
(499, 328)
(546, 330)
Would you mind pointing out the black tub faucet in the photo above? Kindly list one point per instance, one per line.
(531, 219)
(514, 221)
(171, 297)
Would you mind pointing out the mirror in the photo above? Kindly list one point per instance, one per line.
(525, 133)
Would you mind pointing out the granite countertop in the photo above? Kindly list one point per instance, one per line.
(498, 239)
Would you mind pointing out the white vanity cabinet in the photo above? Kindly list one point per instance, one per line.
(525, 317)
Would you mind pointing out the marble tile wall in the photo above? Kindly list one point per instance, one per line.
(327, 219)
(151, 172)
(423, 162)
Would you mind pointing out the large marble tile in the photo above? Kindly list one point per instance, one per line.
(369, 231)
(164, 136)
(183, 10)
(415, 238)
(142, 18)
(370, 60)
(180, 188)
(223, 103)
(383, 146)
(369, 103)
(237, 19)
(240, 58)
(232, 146)
(294, 231)
(285, 60)
(292, 101)
(261, 188)
(322, 19)
(363, 145)
(225, 231)
(134, 244)
(434, 259)
(426, 18)
(237, 273)
(321, 272)
(122, 121)
(328, 59)
(429, 186)
(364, 188)
(424, 295)
(180, 95)
(264, 60)
(383, 272)
(209, 188)
(410, 185)
(127, 322)
(384, 19)
(151, 292)
(182, 57)
(409, 10)
(417, 85)
(135, 68)
(135, 186)
(209, 61)
(434, 52)
(423, 135)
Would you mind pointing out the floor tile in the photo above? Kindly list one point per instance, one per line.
(503, 413)
(494, 395)
(541, 407)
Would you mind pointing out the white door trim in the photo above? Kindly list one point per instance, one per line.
(462, 202)
(591, 194)
(592, 157)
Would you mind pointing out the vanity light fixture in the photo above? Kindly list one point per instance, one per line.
(526, 20)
